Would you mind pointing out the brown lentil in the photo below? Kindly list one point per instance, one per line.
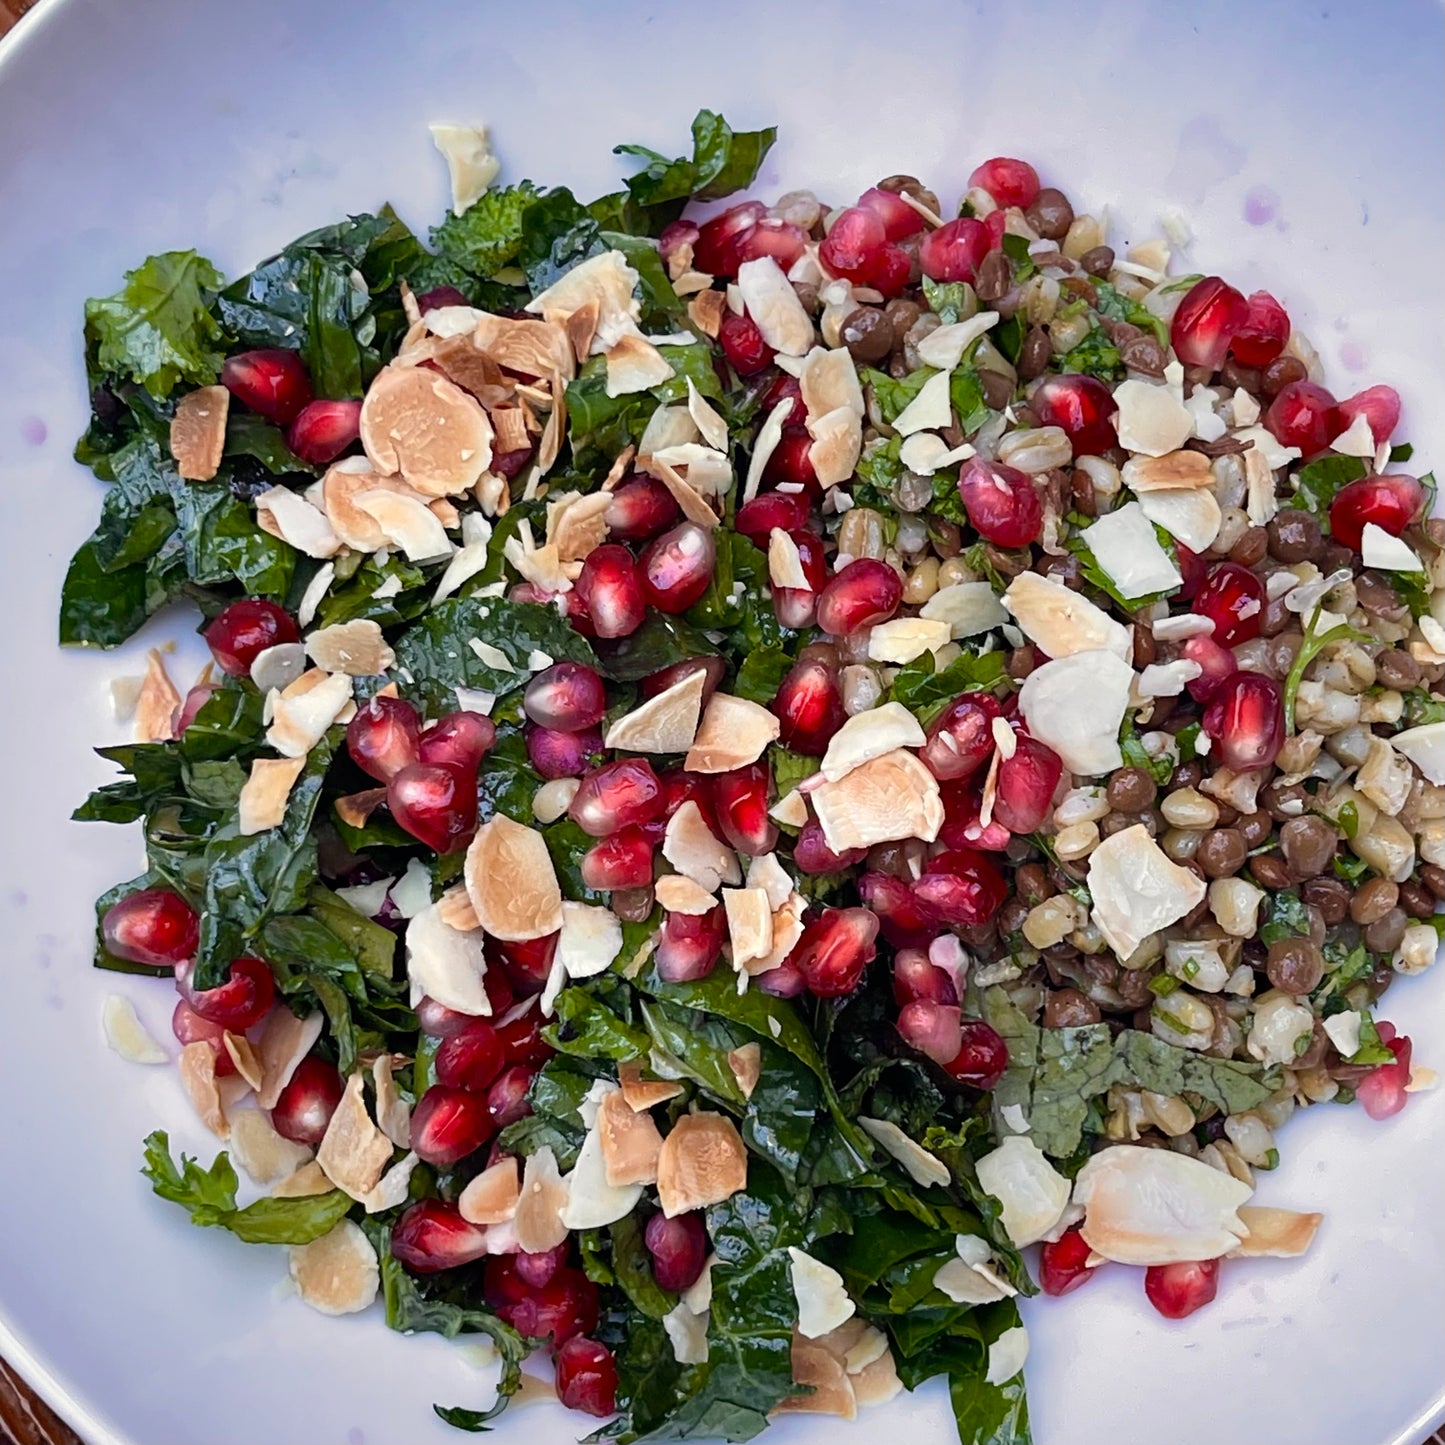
(1294, 535)
(1035, 354)
(1250, 549)
(1434, 879)
(1031, 882)
(1276, 617)
(1098, 260)
(1270, 872)
(997, 389)
(1130, 790)
(868, 334)
(1234, 376)
(1021, 662)
(1373, 900)
(1011, 915)
(1143, 353)
(1254, 828)
(1313, 1056)
(902, 314)
(1221, 852)
(1332, 557)
(1133, 988)
(1187, 775)
(1067, 1008)
(1395, 668)
(1417, 900)
(1330, 896)
(1280, 372)
(1051, 215)
(1065, 570)
(1384, 934)
(1283, 801)
(947, 537)
(1295, 965)
(995, 276)
(1308, 844)
(1144, 650)
(910, 186)
(632, 905)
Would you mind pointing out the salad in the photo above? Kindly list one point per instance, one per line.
(755, 769)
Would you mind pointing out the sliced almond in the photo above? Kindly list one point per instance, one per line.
(262, 803)
(243, 1054)
(705, 311)
(301, 714)
(408, 523)
(905, 639)
(156, 703)
(309, 1180)
(555, 431)
(533, 348)
(1171, 471)
(455, 909)
(341, 486)
(747, 1066)
(1076, 706)
(630, 1142)
(774, 306)
(1276, 1233)
(1033, 1194)
(695, 506)
(769, 435)
(338, 1273)
(577, 525)
(703, 1161)
(511, 881)
(198, 432)
(790, 809)
(538, 1217)
(634, 364)
(1190, 515)
(1061, 621)
(705, 469)
(609, 280)
(355, 808)
(460, 361)
(733, 733)
(837, 444)
(127, 1035)
(678, 894)
(690, 846)
(829, 382)
(641, 1094)
(750, 924)
(884, 800)
(492, 1196)
(356, 648)
(830, 1391)
(666, 723)
(198, 1077)
(262, 1152)
(289, 516)
(448, 964)
(353, 1151)
(868, 735)
(392, 1114)
(426, 428)
(285, 1041)
(767, 873)
(711, 427)
(785, 564)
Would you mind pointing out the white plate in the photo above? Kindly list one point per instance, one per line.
(1303, 143)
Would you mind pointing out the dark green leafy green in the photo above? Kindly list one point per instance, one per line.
(723, 161)
(762, 673)
(922, 690)
(488, 234)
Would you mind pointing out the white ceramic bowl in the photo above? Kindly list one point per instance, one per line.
(1303, 143)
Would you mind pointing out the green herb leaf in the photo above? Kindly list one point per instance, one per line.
(921, 690)
(762, 673)
(1161, 769)
(1285, 917)
(723, 161)
(1313, 644)
(1317, 483)
(488, 234)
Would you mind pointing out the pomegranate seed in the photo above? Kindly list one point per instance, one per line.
(864, 592)
(1206, 321)
(809, 705)
(567, 697)
(1001, 503)
(152, 926)
(797, 607)
(1218, 664)
(448, 1124)
(190, 1028)
(498, 990)
(1391, 502)
(236, 1005)
(784, 387)
(715, 249)
(713, 669)
(690, 945)
(470, 1058)
(435, 803)
(502, 1287)
(784, 981)
(566, 1306)
(675, 235)
(1380, 405)
(1062, 1265)
(1009, 182)
(615, 795)
(813, 855)
(900, 220)
(962, 825)
(1382, 1090)
(954, 250)
(440, 296)
(1261, 337)
(853, 244)
(530, 592)
(383, 737)
(791, 463)
(982, 1058)
(1081, 407)
(678, 1247)
(741, 801)
(786, 511)
(273, 383)
(432, 1236)
(522, 1041)
(961, 887)
(622, 861)
(190, 709)
(535, 1270)
(960, 739)
(460, 740)
(900, 916)
(781, 240)
(509, 464)
(305, 1106)
(891, 272)
(932, 1029)
(1193, 568)
(915, 977)
(1177, 1290)
(507, 1098)
(440, 1022)
(641, 508)
(743, 344)
(1232, 597)
(835, 949)
(611, 591)
(1026, 784)
(994, 225)
(677, 567)
(679, 787)
(527, 963)
(246, 629)
(1245, 718)
(323, 430)
(563, 755)
(1304, 415)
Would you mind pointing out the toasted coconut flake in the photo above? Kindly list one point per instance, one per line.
(392, 1114)
(886, 799)
(459, 360)
(1152, 419)
(590, 939)
(869, 735)
(695, 506)
(262, 804)
(823, 1303)
(511, 881)
(316, 589)
(467, 150)
(448, 964)
(285, 1041)
(640, 1093)
(774, 306)
(301, 714)
(828, 381)
(455, 909)
(310, 1179)
(607, 279)
(750, 924)
(767, 873)
(831, 1391)
(510, 428)
(576, 525)
(944, 346)
(356, 648)
(155, 703)
(581, 327)
(769, 435)
(393, 1188)
(837, 443)
(709, 472)
(877, 1382)
(1062, 622)
(338, 1273)
(278, 667)
(243, 1054)
(666, 723)
(341, 486)
(1169, 472)
(712, 428)
(747, 1066)
(634, 364)
(629, 1140)
(198, 432)
(127, 1035)
(537, 1219)
(1189, 515)
(1129, 553)
(1032, 1192)
(790, 809)
(262, 1152)
(553, 433)
(733, 733)
(419, 424)
(1137, 890)
(690, 846)
(1006, 1355)
(492, 1196)
(785, 565)
(687, 1334)
(355, 808)
(198, 1077)
(702, 1162)
(408, 523)
(929, 410)
(921, 1166)
(678, 894)
(787, 930)
(1076, 706)
(905, 639)
(533, 348)
(965, 1285)
(1276, 1233)
(289, 516)
(705, 311)
(667, 427)
(353, 1152)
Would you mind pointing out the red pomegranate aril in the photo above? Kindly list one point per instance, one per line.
(786, 511)
(563, 755)
(272, 382)
(1218, 665)
(244, 630)
(449, 1123)
(502, 1288)
(784, 981)
(238, 1004)
(565, 1307)
(641, 508)
(1391, 502)
(1081, 407)
(1010, 182)
(1177, 1290)
(1026, 784)
(460, 740)
(900, 916)
(784, 387)
(809, 705)
(536, 1270)
(323, 430)
(994, 225)
(835, 950)
(866, 591)
(679, 787)
(470, 1058)
(611, 591)
(152, 926)
(438, 1021)
(435, 803)
(527, 963)
(813, 855)
(890, 273)
(305, 1106)
(1063, 1263)
(713, 670)
(507, 1097)
(931, 1028)
(1245, 718)
(740, 799)
(963, 826)
(383, 737)
(1265, 329)
(678, 1247)
(953, 252)
(522, 1041)
(1001, 503)
(1206, 321)
(960, 739)
(1382, 1090)
(623, 860)
(742, 343)
(853, 244)
(530, 592)
(1303, 415)
(498, 989)
(791, 463)
(432, 1236)
(438, 297)
(675, 235)
(982, 1057)
(899, 219)
(677, 567)
(190, 709)
(715, 248)
(1380, 405)
(1232, 597)
(190, 1028)
(567, 697)
(915, 977)
(961, 887)
(1193, 567)
(781, 240)
(690, 945)
(616, 795)
(510, 464)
